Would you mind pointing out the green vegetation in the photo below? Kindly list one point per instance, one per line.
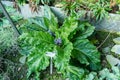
(64, 41)
(49, 50)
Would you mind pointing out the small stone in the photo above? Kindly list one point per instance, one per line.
(117, 40)
(116, 49)
(112, 60)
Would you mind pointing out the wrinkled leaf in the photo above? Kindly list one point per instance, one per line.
(85, 30)
(39, 21)
(63, 57)
(75, 73)
(69, 25)
(41, 42)
(89, 52)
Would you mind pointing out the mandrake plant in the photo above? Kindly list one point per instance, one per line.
(68, 42)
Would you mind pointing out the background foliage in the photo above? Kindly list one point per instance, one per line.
(10, 68)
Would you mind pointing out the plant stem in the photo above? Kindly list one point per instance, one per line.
(103, 41)
(51, 66)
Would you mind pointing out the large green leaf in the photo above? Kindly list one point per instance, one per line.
(85, 30)
(47, 22)
(39, 21)
(50, 19)
(40, 43)
(51, 23)
(64, 52)
(37, 60)
(75, 73)
(80, 57)
(69, 25)
(86, 52)
(37, 37)
(63, 57)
